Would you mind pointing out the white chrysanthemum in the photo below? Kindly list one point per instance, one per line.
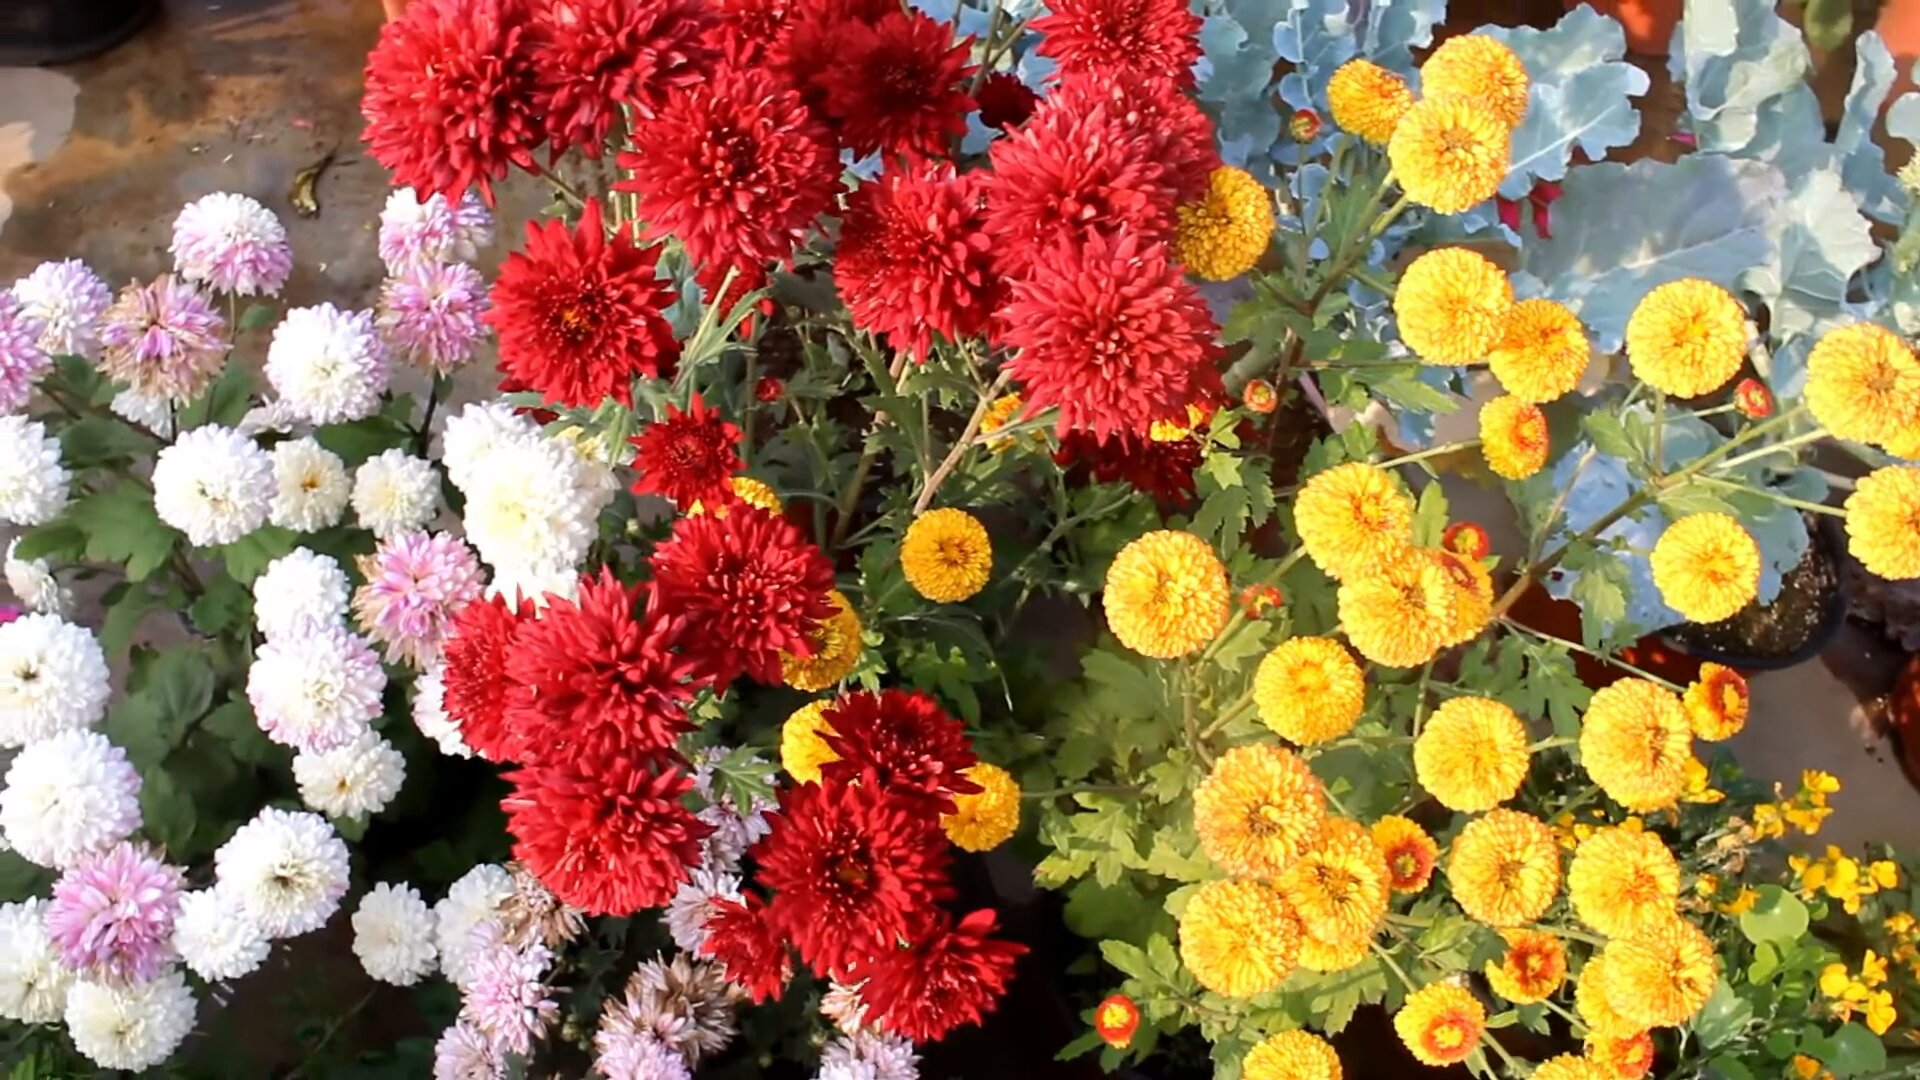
(286, 870)
(34, 585)
(33, 982)
(53, 678)
(274, 416)
(298, 589)
(68, 300)
(430, 712)
(393, 934)
(395, 492)
(536, 503)
(688, 911)
(69, 796)
(130, 1027)
(316, 688)
(475, 432)
(310, 486)
(869, 1055)
(350, 781)
(536, 584)
(328, 366)
(233, 244)
(216, 937)
(33, 483)
(214, 484)
(472, 900)
(153, 413)
(415, 233)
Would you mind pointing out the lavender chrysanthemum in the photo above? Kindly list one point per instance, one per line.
(163, 339)
(415, 233)
(463, 1053)
(505, 995)
(22, 360)
(430, 315)
(636, 1055)
(112, 914)
(68, 299)
(415, 583)
(232, 244)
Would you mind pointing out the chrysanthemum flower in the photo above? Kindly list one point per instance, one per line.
(393, 934)
(914, 259)
(1863, 383)
(1258, 810)
(1401, 612)
(1329, 957)
(1453, 305)
(1410, 853)
(1441, 1023)
(950, 974)
(163, 340)
(22, 360)
(478, 691)
(1660, 975)
(1706, 566)
(1532, 968)
(1753, 400)
(1472, 755)
(1177, 135)
(353, 780)
(803, 744)
(593, 56)
(1353, 517)
(1472, 594)
(1717, 703)
(415, 584)
(215, 938)
(316, 688)
(66, 300)
(689, 457)
(1505, 868)
(897, 85)
(1309, 690)
(1513, 436)
(749, 949)
(451, 97)
(68, 796)
(132, 1027)
(946, 555)
(1339, 885)
(901, 739)
(1618, 1057)
(112, 914)
(1166, 595)
(1592, 1001)
(1450, 153)
(232, 244)
(579, 314)
(1480, 67)
(1687, 337)
(1635, 742)
(1157, 39)
(1005, 102)
(1368, 100)
(1115, 1020)
(1622, 880)
(837, 645)
(1239, 938)
(1542, 352)
(985, 819)
(1223, 235)
(1883, 522)
(1291, 1055)
(433, 315)
(417, 233)
(747, 490)
(680, 1006)
(1569, 1067)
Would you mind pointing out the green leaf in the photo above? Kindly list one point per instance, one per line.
(59, 539)
(127, 606)
(1725, 1015)
(351, 829)
(1856, 1051)
(1777, 916)
(20, 879)
(249, 555)
(180, 684)
(1127, 957)
(122, 528)
(225, 605)
(357, 441)
(1728, 1068)
(1088, 1041)
(1609, 435)
(98, 440)
(166, 812)
(136, 726)
(1430, 518)
(258, 316)
(233, 722)
(229, 398)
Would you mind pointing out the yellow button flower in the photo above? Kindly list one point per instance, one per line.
(1239, 938)
(1687, 337)
(803, 749)
(1542, 353)
(1258, 810)
(946, 555)
(1513, 436)
(1472, 755)
(1621, 881)
(1635, 742)
(1441, 1024)
(1368, 100)
(1717, 703)
(1452, 306)
(1409, 851)
(1338, 888)
(1707, 567)
(985, 819)
(752, 492)
(1353, 517)
(1223, 235)
(1883, 522)
(1166, 595)
(1863, 383)
(1662, 974)
(1505, 868)
(1472, 594)
(1291, 1055)
(1309, 690)
(1532, 968)
(1479, 67)
(836, 649)
(1591, 999)
(1569, 1067)
(1400, 612)
(1450, 153)
(1004, 411)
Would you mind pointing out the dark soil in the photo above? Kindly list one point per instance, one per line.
(1808, 608)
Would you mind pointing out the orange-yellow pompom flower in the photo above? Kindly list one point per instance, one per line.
(1291, 1055)
(1368, 100)
(1116, 1019)
(1410, 853)
(1328, 957)
(1480, 67)
(1622, 880)
(946, 555)
(1717, 703)
(1472, 594)
(1627, 1057)
(1309, 690)
(1706, 566)
(1452, 305)
(1224, 234)
(1883, 522)
(1258, 810)
(1472, 755)
(1339, 887)
(1568, 1067)
(1353, 517)
(985, 819)
(1687, 337)
(1513, 436)
(1542, 353)
(1504, 868)
(1532, 968)
(750, 491)
(1400, 613)
(1863, 384)
(1005, 410)
(803, 744)
(1467, 539)
(1635, 741)
(1662, 974)
(1239, 938)
(1450, 153)
(1596, 1008)
(836, 649)
(1166, 595)
(1441, 1024)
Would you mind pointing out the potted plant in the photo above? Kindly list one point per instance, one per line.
(50, 32)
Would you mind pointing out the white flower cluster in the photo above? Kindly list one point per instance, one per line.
(285, 872)
(33, 584)
(299, 589)
(393, 934)
(352, 780)
(33, 482)
(474, 899)
(68, 796)
(53, 678)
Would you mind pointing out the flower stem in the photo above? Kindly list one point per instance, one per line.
(1604, 658)
(960, 445)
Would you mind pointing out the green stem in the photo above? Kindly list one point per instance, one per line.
(961, 445)
(1659, 432)
(425, 434)
(1783, 500)
(1597, 655)
(746, 412)
(1783, 444)
(1239, 614)
(1075, 789)
(1431, 452)
(332, 1030)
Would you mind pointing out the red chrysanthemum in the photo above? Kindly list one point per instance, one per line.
(905, 740)
(580, 314)
(478, 690)
(750, 951)
(606, 834)
(1005, 101)
(1161, 469)
(751, 28)
(854, 867)
(747, 586)
(1159, 39)
(950, 974)
(688, 457)
(450, 95)
(913, 259)
(597, 680)
(813, 40)
(1180, 136)
(596, 55)
(898, 85)
(1112, 334)
(733, 167)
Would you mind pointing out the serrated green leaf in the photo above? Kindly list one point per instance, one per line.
(233, 722)
(122, 528)
(248, 556)
(1129, 958)
(1430, 516)
(20, 879)
(229, 398)
(97, 440)
(59, 540)
(1609, 435)
(166, 811)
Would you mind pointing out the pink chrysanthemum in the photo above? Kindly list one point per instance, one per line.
(914, 260)
(432, 315)
(597, 55)
(112, 914)
(68, 299)
(163, 340)
(1158, 39)
(415, 583)
(231, 244)
(898, 85)
(416, 233)
(464, 1053)
(22, 361)
(505, 996)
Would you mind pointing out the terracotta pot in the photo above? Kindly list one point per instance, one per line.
(1549, 615)
(1649, 23)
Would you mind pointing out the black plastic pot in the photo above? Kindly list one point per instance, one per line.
(1826, 545)
(62, 31)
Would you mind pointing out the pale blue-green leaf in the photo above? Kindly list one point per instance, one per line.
(1238, 54)
(1579, 98)
(1397, 27)
(1790, 134)
(1601, 486)
(1735, 55)
(1862, 162)
(1820, 241)
(1903, 117)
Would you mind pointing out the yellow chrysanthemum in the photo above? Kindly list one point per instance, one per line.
(1542, 353)
(1353, 517)
(1622, 880)
(1883, 522)
(1513, 436)
(1628, 1057)
(1532, 968)
(1239, 938)
(1452, 305)
(1706, 566)
(985, 819)
(1224, 234)
(1339, 887)
(836, 649)
(1472, 755)
(1329, 957)
(1687, 337)
(1410, 853)
(1005, 410)
(1310, 690)
(1596, 1008)
(1401, 612)
(1472, 594)
(1441, 1024)
(1368, 100)
(1863, 383)
(1635, 742)
(1661, 974)
(1504, 868)
(803, 748)
(1480, 67)
(1568, 1067)
(946, 555)
(1166, 595)
(1291, 1055)
(752, 492)
(1258, 810)
(1717, 703)
(1450, 153)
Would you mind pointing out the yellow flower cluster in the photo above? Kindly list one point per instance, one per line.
(1623, 880)
(1843, 878)
(1224, 234)
(1706, 566)
(1635, 742)
(1339, 887)
(1862, 992)
(1410, 852)
(1717, 703)
(1004, 411)
(986, 818)
(1542, 353)
(752, 492)
(1513, 437)
(946, 555)
(1687, 337)
(1806, 809)
(1368, 100)
(1239, 938)
(1166, 595)
(1441, 1023)
(1402, 611)
(1659, 975)
(1453, 306)
(1353, 517)
(803, 744)
(1504, 868)
(1863, 384)
(1883, 522)
(1532, 968)
(1291, 1055)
